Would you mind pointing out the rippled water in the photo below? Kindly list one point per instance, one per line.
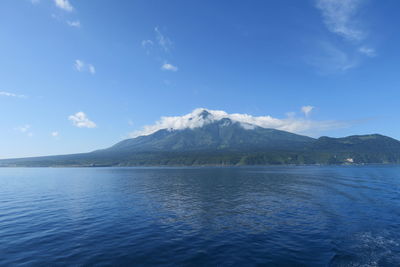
(279, 216)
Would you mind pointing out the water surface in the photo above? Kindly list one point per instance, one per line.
(278, 216)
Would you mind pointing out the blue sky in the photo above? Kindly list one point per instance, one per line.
(81, 75)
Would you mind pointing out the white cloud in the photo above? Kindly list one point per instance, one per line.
(55, 134)
(64, 4)
(75, 23)
(80, 120)
(3, 93)
(92, 70)
(195, 119)
(370, 52)
(81, 66)
(339, 17)
(162, 40)
(24, 128)
(170, 67)
(306, 110)
(35, 1)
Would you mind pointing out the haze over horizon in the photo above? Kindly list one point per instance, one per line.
(79, 76)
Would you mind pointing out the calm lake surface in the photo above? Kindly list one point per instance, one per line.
(276, 216)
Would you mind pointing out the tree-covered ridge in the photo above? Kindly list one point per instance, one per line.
(226, 142)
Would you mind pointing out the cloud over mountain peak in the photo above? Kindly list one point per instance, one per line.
(202, 116)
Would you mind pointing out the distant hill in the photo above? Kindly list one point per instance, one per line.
(228, 142)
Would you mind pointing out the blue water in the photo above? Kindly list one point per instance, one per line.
(276, 216)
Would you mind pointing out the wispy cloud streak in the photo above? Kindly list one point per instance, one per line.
(339, 15)
(163, 40)
(3, 93)
(81, 66)
(75, 23)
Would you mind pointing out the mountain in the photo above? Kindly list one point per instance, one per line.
(211, 140)
(219, 135)
(373, 148)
